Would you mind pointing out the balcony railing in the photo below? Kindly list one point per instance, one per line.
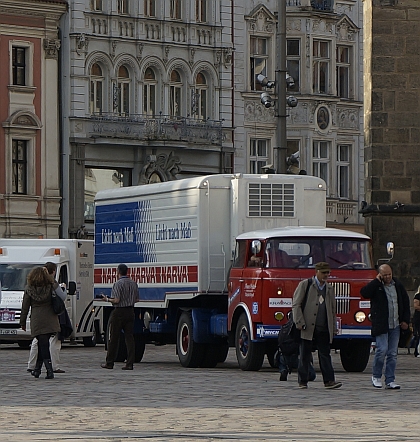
(159, 128)
(339, 211)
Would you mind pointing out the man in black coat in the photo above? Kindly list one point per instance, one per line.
(390, 311)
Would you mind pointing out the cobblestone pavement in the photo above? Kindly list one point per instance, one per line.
(162, 401)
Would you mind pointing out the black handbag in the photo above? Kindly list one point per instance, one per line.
(57, 304)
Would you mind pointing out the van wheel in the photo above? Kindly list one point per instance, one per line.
(354, 355)
(250, 355)
(190, 353)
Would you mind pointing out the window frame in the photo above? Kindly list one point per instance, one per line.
(318, 61)
(96, 5)
(150, 8)
(342, 165)
(176, 10)
(95, 80)
(175, 95)
(123, 87)
(201, 98)
(346, 65)
(321, 164)
(254, 56)
(148, 86)
(290, 58)
(29, 54)
(255, 160)
(16, 163)
(201, 11)
(122, 7)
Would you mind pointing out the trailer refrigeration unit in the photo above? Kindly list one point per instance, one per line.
(217, 259)
(74, 260)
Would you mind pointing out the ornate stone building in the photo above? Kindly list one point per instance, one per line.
(29, 130)
(150, 96)
(324, 56)
(392, 132)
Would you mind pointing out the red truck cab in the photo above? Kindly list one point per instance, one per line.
(267, 267)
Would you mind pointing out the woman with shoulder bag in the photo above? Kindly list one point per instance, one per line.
(44, 322)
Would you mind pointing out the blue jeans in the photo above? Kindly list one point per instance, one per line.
(386, 347)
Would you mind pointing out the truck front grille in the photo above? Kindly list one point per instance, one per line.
(342, 296)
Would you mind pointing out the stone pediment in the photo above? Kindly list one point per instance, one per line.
(345, 29)
(261, 20)
(23, 119)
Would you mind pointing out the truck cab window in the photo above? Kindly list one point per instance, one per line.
(240, 253)
(63, 275)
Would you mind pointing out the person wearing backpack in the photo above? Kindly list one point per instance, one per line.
(318, 324)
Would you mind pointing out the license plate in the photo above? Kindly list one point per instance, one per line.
(8, 332)
(7, 315)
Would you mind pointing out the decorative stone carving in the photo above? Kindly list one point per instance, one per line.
(256, 112)
(322, 26)
(113, 48)
(51, 48)
(261, 20)
(166, 54)
(294, 24)
(140, 47)
(192, 54)
(227, 57)
(348, 118)
(217, 58)
(82, 42)
(346, 29)
(165, 166)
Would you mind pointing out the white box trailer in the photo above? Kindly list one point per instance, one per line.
(74, 260)
(178, 240)
(180, 235)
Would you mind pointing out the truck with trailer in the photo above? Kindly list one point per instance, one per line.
(74, 260)
(217, 259)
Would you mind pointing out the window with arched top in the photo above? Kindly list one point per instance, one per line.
(96, 89)
(123, 91)
(175, 94)
(199, 102)
(149, 92)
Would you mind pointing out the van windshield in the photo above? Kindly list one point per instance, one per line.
(306, 252)
(13, 276)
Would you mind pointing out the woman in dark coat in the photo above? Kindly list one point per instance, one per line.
(44, 322)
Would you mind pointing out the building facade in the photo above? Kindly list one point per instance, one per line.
(392, 133)
(29, 131)
(324, 55)
(150, 96)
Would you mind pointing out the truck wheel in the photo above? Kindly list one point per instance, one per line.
(250, 354)
(90, 341)
(190, 353)
(140, 347)
(273, 357)
(354, 355)
(222, 352)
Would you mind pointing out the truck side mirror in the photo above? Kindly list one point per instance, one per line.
(72, 288)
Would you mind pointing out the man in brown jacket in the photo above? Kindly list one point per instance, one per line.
(315, 316)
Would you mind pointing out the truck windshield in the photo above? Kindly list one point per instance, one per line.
(306, 252)
(13, 276)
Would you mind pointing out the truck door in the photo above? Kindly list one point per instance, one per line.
(245, 280)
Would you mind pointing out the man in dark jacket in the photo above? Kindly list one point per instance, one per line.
(390, 311)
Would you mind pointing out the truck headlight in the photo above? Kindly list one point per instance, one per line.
(360, 316)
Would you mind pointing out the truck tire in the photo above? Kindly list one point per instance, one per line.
(273, 357)
(250, 355)
(190, 353)
(354, 355)
(90, 341)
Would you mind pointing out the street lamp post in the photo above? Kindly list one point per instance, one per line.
(281, 68)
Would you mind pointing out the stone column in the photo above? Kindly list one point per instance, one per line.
(392, 132)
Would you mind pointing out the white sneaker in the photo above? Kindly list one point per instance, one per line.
(376, 382)
(392, 386)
